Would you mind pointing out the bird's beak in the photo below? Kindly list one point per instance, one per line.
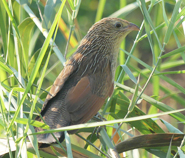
(133, 27)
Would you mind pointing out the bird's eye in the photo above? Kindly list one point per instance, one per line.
(118, 25)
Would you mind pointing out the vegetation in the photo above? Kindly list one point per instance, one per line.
(149, 84)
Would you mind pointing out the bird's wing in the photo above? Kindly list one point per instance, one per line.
(81, 103)
(46, 111)
(60, 80)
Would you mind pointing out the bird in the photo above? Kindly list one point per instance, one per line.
(86, 80)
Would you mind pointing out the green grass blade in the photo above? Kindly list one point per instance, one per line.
(100, 9)
(68, 145)
(88, 125)
(38, 62)
(172, 22)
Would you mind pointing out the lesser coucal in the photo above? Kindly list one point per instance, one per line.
(87, 79)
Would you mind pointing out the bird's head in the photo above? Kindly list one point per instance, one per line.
(112, 28)
(105, 37)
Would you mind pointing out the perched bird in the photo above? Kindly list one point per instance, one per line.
(87, 79)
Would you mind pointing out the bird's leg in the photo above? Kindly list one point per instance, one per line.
(98, 117)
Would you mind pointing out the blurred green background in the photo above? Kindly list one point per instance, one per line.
(26, 76)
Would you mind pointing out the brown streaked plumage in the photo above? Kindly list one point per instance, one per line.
(87, 79)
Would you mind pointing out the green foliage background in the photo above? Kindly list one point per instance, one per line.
(149, 78)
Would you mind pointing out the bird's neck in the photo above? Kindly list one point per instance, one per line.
(97, 52)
